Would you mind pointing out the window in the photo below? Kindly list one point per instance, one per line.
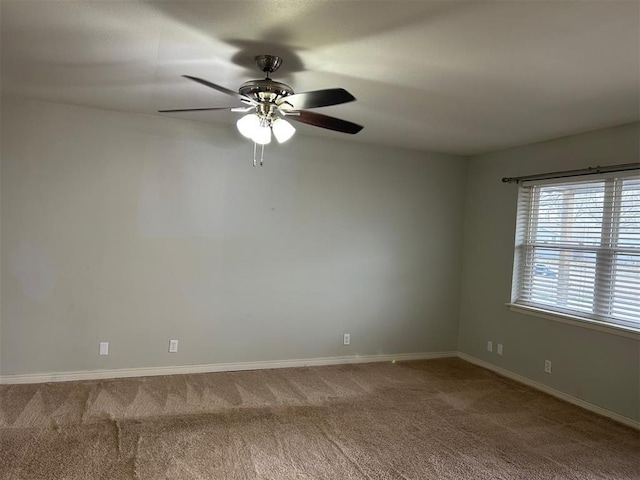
(578, 248)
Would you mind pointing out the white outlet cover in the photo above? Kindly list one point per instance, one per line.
(347, 338)
(547, 366)
(489, 346)
(499, 350)
(173, 346)
(104, 348)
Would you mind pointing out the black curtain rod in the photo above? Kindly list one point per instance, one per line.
(575, 173)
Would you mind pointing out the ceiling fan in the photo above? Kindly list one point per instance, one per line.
(267, 103)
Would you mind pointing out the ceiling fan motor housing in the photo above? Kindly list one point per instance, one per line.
(266, 90)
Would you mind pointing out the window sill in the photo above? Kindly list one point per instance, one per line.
(575, 320)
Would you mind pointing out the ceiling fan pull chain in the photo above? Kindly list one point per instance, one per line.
(255, 145)
(255, 154)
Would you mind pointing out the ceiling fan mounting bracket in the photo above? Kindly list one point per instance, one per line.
(268, 63)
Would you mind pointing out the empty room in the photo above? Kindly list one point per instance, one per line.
(319, 239)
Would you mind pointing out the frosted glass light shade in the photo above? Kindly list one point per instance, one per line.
(249, 125)
(262, 135)
(282, 130)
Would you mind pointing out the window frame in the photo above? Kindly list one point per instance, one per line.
(526, 226)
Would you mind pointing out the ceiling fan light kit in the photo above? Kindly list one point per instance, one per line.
(282, 130)
(268, 102)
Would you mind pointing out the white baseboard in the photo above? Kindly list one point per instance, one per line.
(552, 391)
(308, 362)
(214, 367)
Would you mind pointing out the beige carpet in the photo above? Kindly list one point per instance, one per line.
(436, 419)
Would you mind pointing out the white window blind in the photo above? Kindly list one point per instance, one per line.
(578, 248)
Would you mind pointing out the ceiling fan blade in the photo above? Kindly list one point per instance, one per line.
(318, 98)
(325, 121)
(196, 109)
(219, 88)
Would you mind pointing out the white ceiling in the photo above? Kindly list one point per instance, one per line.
(461, 77)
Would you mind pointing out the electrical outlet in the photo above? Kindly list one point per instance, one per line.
(104, 348)
(346, 339)
(489, 346)
(173, 346)
(547, 366)
(499, 351)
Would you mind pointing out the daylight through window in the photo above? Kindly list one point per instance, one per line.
(578, 248)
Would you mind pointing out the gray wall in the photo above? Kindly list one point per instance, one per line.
(597, 367)
(138, 229)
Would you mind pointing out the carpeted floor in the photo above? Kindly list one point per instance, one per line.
(434, 419)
